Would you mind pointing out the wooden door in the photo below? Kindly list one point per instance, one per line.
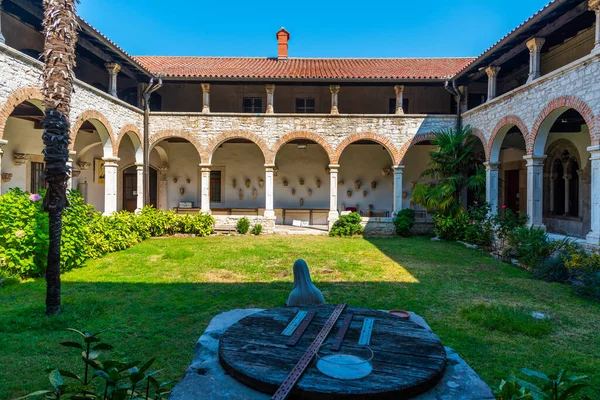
(130, 189)
(511, 189)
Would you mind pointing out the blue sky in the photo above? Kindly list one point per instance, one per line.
(382, 28)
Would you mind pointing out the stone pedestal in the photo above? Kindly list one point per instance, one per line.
(535, 187)
(113, 70)
(205, 188)
(535, 59)
(334, 89)
(205, 97)
(398, 175)
(163, 186)
(269, 172)
(492, 73)
(399, 90)
(111, 167)
(594, 236)
(492, 185)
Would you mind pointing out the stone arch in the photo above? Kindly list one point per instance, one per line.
(550, 114)
(128, 128)
(214, 143)
(374, 137)
(32, 94)
(421, 137)
(499, 133)
(170, 133)
(302, 135)
(107, 137)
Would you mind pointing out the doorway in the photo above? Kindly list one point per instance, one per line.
(130, 188)
(511, 189)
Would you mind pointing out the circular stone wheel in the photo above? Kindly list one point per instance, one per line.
(408, 359)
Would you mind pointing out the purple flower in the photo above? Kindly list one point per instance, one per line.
(35, 197)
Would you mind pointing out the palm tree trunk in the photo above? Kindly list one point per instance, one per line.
(60, 30)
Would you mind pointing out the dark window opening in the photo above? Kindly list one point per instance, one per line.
(253, 105)
(475, 99)
(215, 186)
(305, 105)
(38, 177)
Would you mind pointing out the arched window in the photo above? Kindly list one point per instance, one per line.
(564, 184)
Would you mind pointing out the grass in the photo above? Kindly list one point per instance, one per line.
(158, 297)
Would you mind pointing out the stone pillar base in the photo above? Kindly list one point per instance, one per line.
(593, 238)
(269, 213)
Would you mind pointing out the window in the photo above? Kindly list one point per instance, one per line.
(215, 186)
(392, 106)
(38, 179)
(253, 105)
(305, 105)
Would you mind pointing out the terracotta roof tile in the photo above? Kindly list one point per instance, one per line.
(303, 68)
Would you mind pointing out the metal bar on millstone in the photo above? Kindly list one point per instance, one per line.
(294, 323)
(290, 381)
(339, 338)
(300, 329)
(367, 330)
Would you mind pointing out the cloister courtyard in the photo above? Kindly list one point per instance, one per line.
(156, 298)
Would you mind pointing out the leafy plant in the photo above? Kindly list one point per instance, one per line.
(257, 229)
(559, 386)
(347, 225)
(243, 225)
(505, 222)
(106, 380)
(453, 167)
(404, 222)
(530, 246)
(450, 227)
(479, 228)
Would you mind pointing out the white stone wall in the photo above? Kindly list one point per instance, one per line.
(579, 79)
(268, 224)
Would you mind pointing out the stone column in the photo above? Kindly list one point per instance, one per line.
(1, 36)
(269, 172)
(163, 187)
(552, 189)
(464, 105)
(205, 97)
(334, 89)
(535, 186)
(399, 89)
(535, 58)
(567, 177)
(594, 236)
(70, 165)
(2, 143)
(595, 6)
(270, 88)
(205, 188)
(139, 169)
(398, 175)
(113, 71)
(333, 193)
(111, 167)
(492, 179)
(492, 73)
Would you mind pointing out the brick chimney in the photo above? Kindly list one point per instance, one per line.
(282, 44)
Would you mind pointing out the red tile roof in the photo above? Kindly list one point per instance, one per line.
(304, 68)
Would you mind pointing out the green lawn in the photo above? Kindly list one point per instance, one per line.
(158, 297)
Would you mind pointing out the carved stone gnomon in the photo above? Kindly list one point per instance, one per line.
(304, 291)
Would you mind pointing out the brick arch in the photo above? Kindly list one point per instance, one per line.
(124, 131)
(214, 143)
(17, 97)
(374, 137)
(512, 120)
(478, 133)
(86, 116)
(565, 101)
(421, 137)
(302, 135)
(170, 133)
(596, 136)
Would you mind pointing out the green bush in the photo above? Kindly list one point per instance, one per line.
(347, 225)
(530, 246)
(194, 224)
(158, 222)
(479, 229)
(404, 222)
(243, 225)
(450, 227)
(257, 229)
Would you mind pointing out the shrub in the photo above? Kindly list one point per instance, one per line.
(530, 246)
(479, 228)
(404, 222)
(450, 227)
(194, 224)
(243, 225)
(158, 222)
(257, 229)
(585, 268)
(553, 269)
(347, 225)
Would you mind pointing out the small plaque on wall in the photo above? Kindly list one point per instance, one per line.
(186, 204)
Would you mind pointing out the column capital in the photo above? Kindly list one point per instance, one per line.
(205, 87)
(111, 159)
(333, 89)
(112, 68)
(399, 89)
(71, 152)
(534, 160)
(492, 71)
(205, 167)
(270, 88)
(399, 169)
(2, 141)
(592, 149)
(491, 165)
(139, 164)
(594, 5)
(334, 166)
(535, 45)
(270, 167)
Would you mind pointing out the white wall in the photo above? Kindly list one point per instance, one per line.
(364, 162)
(95, 190)
(22, 138)
(184, 163)
(415, 162)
